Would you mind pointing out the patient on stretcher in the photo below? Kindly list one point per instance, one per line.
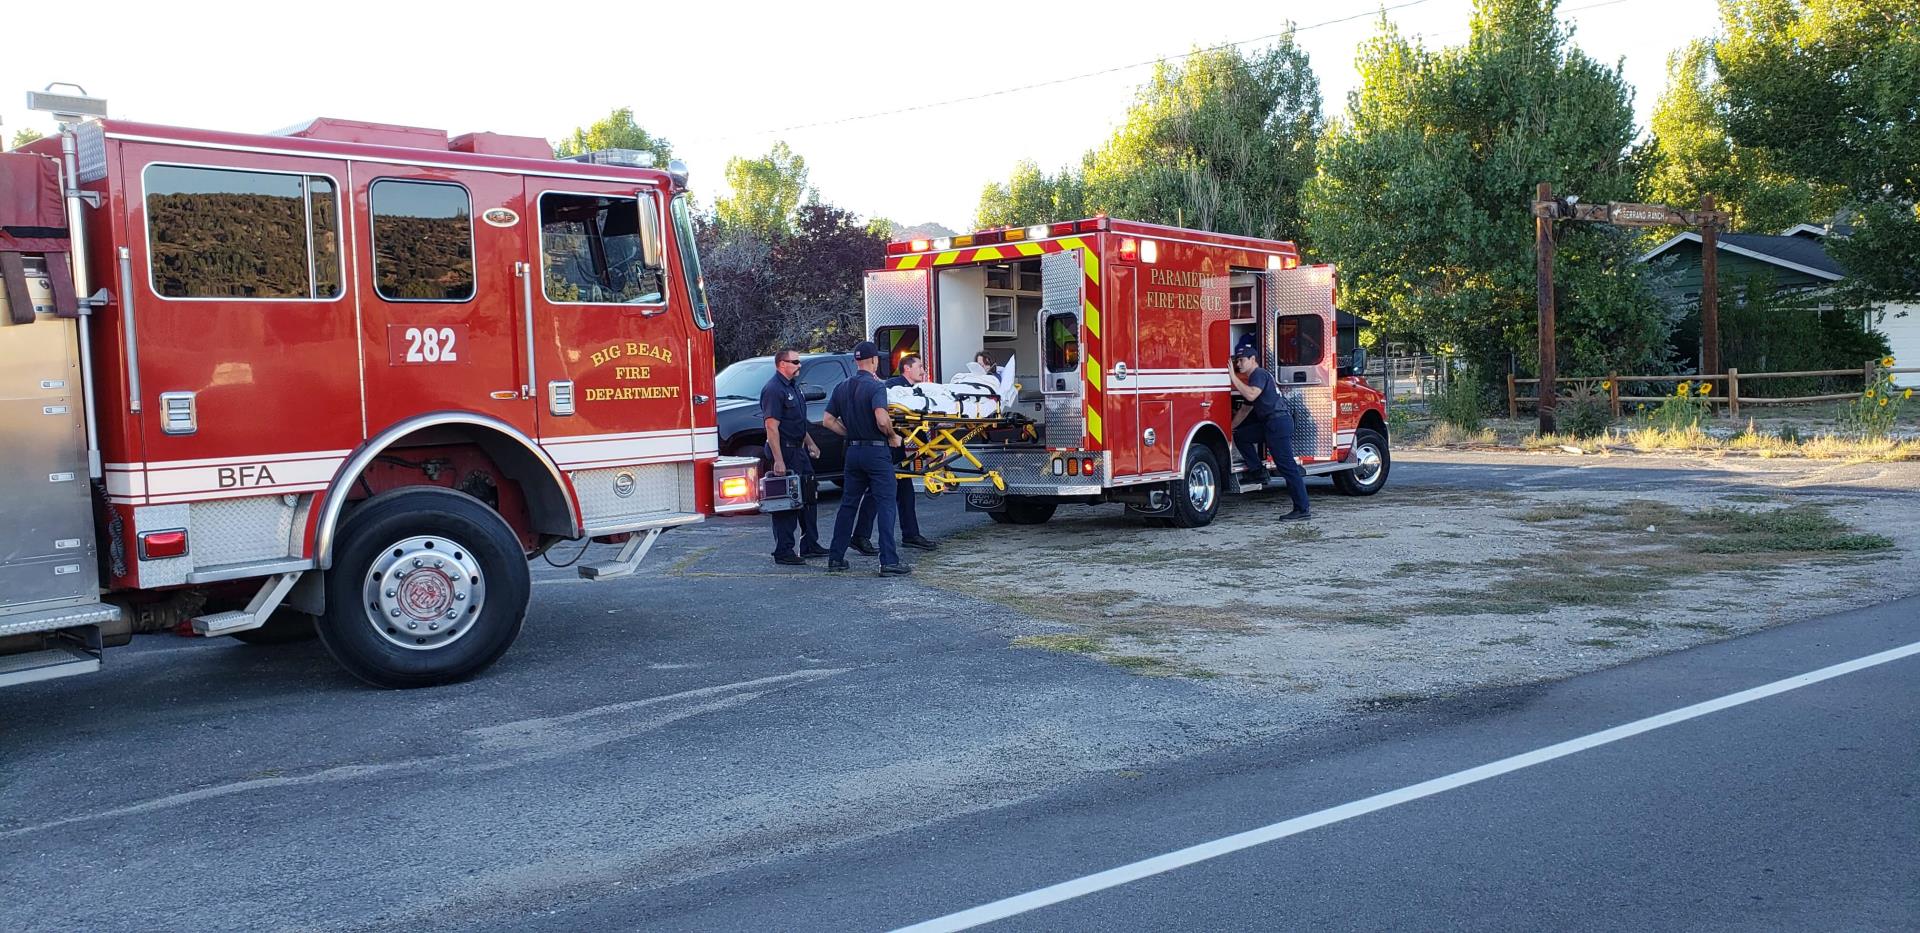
(971, 394)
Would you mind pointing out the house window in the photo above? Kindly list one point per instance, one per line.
(220, 233)
(1013, 295)
(422, 241)
(595, 249)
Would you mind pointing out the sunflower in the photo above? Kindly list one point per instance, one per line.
(1886, 362)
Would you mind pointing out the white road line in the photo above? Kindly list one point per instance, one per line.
(1114, 877)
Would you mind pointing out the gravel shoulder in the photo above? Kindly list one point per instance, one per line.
(1473, 569)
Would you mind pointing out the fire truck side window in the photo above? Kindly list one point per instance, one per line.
(1302, 341)
(592, 251)
(422, 241)
(1063, 343)
(222, 233)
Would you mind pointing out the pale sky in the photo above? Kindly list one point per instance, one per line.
(728, 78)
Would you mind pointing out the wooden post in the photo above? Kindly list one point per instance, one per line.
(1709, 292)
(1613, 392)
(1543, 274)
(1733, 392)
(1513, 398)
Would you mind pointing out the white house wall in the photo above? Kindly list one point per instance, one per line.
(1901, 324)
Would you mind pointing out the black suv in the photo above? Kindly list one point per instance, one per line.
(743, 433)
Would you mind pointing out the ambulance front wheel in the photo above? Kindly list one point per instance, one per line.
(428, 586)
(1196, 497)
(1373, 461)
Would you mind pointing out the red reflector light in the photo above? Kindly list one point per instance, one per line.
(986, 237)
(733, 487)
(1060, 229)
(1129, 249)
(896, 249)
(158, 544)
(1092, 226)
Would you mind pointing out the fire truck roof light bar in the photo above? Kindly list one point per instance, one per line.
(67, 108)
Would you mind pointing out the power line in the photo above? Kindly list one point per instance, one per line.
(1079, 77)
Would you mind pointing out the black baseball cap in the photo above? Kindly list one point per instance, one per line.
(1246, 347)
(866, 350)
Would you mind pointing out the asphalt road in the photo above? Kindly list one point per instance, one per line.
(720, 743)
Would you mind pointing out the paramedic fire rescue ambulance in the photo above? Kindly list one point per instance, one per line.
(1121, 334)
(352, 372)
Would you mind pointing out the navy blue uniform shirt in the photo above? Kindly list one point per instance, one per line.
(853, 403)
(781, 398)
(1268, 403)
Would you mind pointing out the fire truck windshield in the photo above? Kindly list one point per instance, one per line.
(690, 263)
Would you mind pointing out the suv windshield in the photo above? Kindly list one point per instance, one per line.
(744, 379)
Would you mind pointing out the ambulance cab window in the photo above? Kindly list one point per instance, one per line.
(1063, 343)
(594, 249)
(1302, 339)
(220, 233)
(422, 241)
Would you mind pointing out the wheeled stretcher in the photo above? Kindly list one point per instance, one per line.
(935, 446)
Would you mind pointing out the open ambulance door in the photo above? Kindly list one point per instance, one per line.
(1062, 346)
(900, 315)
(1299, 342)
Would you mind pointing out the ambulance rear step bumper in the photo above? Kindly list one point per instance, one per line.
(46, 665)
(48, 620)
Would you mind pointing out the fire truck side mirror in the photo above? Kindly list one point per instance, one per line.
(650, 245)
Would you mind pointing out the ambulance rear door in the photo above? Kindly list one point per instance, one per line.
(900, 315)
(1299, 350)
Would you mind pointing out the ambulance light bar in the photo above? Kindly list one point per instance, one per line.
(994, 235)
(67, 108)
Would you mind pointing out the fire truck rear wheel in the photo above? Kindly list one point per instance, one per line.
(428, 586)
(1370, 450)
(1021, 510)
(1196, 497)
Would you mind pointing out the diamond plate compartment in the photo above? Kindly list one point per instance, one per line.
(614, 496)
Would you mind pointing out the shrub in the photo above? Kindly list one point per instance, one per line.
(1875, 411)
(1586, 411)
(1457, 402)
(1684, 410)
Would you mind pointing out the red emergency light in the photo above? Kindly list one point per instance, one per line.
(155, 545)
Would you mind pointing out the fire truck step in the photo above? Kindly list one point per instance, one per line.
(631, 554)
(46, 665)
(272, 590)
(48, 620)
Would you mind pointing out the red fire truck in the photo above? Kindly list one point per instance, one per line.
(1121, 335)
(346, 379)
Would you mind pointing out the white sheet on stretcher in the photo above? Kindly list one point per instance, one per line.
(972, 394)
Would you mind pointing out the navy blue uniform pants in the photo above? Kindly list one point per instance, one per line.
(1277, 433)
(903, 494)
(807, 516)
(869, 474)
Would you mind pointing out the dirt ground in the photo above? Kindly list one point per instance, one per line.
(1471, 569)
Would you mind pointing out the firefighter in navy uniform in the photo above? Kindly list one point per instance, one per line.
(791, 450)
(858, 412)
(913, 371)
(1265, 417)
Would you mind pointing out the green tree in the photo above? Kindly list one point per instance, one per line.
(1030, 196)
(1423, 192)
(765, 192)
(1690, 154)
(617, 131)
(1827, 90)
(24, 136)
(1222, 141)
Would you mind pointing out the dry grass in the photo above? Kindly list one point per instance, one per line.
(1586, 445)
(1820, 447)
(1443, 434)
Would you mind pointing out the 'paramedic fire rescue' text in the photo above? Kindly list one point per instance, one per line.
(1213, 299)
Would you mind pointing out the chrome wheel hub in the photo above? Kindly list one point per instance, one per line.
(423, 592)
(1368, 472)
(1201, 487)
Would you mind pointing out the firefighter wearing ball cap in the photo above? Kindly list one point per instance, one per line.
(858, 412)
(1265, 418)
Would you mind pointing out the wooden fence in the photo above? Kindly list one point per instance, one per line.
(1726, 388)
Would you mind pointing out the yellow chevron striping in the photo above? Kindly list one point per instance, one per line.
(1029, 249)
(1093, 320)
(1094, 375)
(946, 259)
(909, 262)
(1093, 425)
(985, 253)
(1093, 268)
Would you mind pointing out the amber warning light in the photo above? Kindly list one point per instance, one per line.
(733, 487)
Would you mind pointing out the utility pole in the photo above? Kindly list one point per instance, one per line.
(1709, 289)
(1545, 210)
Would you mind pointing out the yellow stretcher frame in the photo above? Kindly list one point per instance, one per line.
(936, 448)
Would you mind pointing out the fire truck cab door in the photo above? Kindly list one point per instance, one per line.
(442, 314)
(614, 338)
(900, 315)
(1298, 337)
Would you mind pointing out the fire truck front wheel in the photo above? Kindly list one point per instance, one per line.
(428, 586)
(1196, 497)
(1373, 459)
